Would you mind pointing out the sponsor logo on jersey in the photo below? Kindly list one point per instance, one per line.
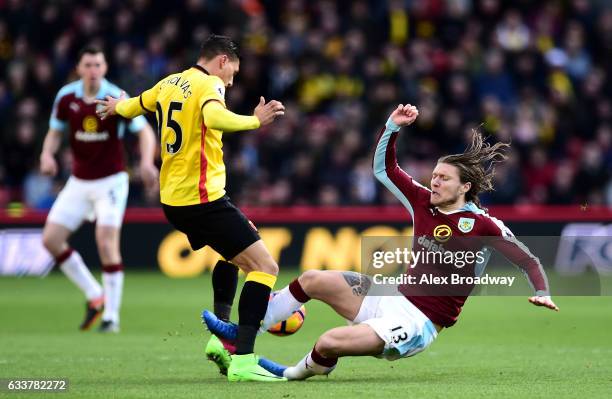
(430, 245)
(74, 107)
(442, 233)
(466, 224)
(90, 131)
(91, 136)
(90, 124)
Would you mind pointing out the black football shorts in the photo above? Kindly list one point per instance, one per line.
(218, 224)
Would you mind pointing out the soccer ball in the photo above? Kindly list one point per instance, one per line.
(291, 325)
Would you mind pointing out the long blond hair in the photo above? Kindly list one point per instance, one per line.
(477, 165)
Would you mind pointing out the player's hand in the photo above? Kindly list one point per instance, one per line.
(404, 115)
(544, 301)
(48, 165)
(107, 107)
(149, 175)
(268, 112)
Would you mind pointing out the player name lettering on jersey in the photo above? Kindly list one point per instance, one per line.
(181, 83)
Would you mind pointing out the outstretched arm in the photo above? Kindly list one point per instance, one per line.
(216, 116)
(128, 108)
(386, 167)
(516, 252)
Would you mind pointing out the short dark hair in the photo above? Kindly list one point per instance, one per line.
(93, 50)
(217, 44)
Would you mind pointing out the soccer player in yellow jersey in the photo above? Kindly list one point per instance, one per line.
(191, 118)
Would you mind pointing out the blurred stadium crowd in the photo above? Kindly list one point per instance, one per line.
(537, 73)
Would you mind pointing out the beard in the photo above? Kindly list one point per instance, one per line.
(446, 202)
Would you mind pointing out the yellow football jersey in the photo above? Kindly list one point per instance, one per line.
(192, 170)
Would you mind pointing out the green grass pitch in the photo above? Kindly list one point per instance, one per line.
(501, 347)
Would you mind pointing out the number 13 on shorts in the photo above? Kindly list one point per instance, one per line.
(398, 335)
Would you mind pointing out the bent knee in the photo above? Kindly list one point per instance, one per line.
(48, 242)
(270, 268)
(261, 265)
(52, 244)
(266, 264)
(307, 277)
(312, 282)
(329, 344)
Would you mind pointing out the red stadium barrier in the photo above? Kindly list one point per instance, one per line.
(357, 214)
(308, 237)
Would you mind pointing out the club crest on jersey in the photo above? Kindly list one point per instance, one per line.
(442, 233)
(466, 224)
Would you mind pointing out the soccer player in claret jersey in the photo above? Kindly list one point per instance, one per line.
(404, 324)
(98, 186)
(192, 117)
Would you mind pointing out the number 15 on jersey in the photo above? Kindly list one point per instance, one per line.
(175, 146)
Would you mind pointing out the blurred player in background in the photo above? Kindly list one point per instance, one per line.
(192, 117)
(406, 322)
(98, 186)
